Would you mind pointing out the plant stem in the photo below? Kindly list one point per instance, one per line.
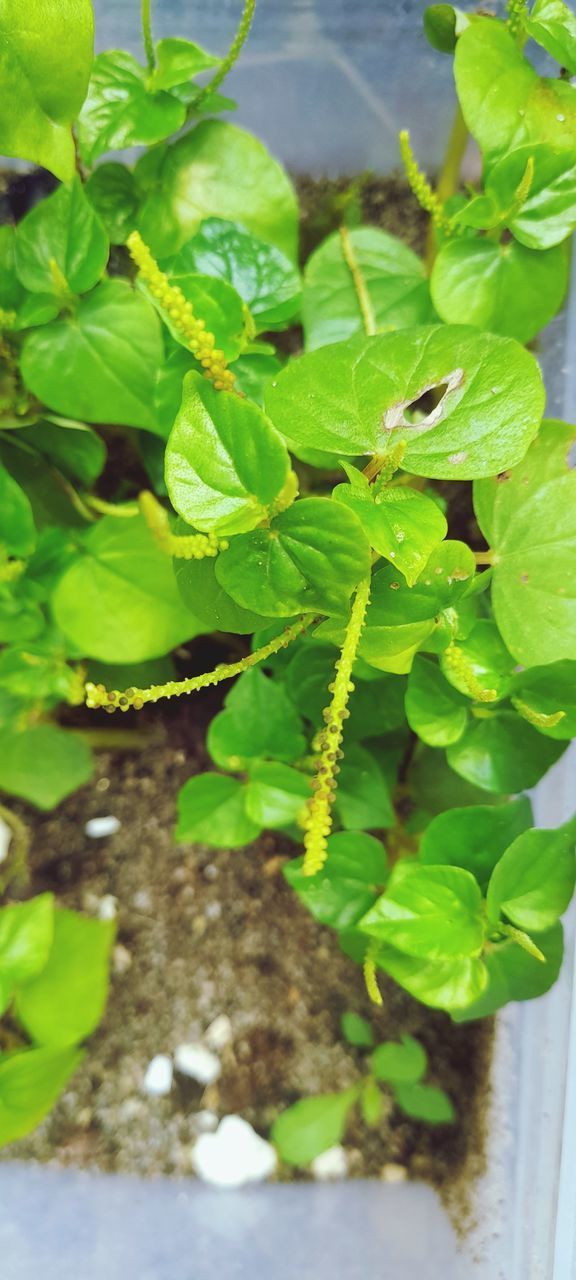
(17, 868)
(364, 302)
(449, 175)
(484, 557)
(124, 510)
(146, 7)
(232, 55)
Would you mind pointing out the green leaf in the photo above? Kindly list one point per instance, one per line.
(349, 882)
(218, 170)
(504, 101)
(451, 984)
(110, 348)
(78, 452)
(476, 837)
(534, 604)
(505, 288)
(443, 23)
(371, 1103)
(276, 794)
(546, 216)
(425, 1102)
(513, 974)
(430, 912)
(310, 558)
(119, 111)
(45, 60)
(486, 658)
(502, 753)
(43, 764)
(17, 530)
(225, 462)
(214, 301)
(553, 25)
(11, 291)
(64, 1003)
(26, 931)
(438, 788)
(395, 280)
(311, 1126)
(548, 690)
(362, 799)
(253, 371)
(434, 710)
(38, 671)
(212, 811)
(209, 602)
(357, 395)
(63, 229)
(177, 61)
(114, 195)
(401, 524)
(30, 1082)
(263, 276)
(118, 601)
(259, 721)
(356, 1030)
(403, 1063)
(533, 882)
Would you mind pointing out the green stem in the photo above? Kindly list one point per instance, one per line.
(146, 7)
(17, 867)
(449, 175)
(232, 55)
(364, 301)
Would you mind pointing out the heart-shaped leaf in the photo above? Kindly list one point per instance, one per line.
(63, 229)
(119, 111)
(401, 524)
(258, 721)
(503, 753)
(212, 811)
(476, 837)
(176, 61)
(504, 288)
(533, 881)
(434, 913)
(349, 882)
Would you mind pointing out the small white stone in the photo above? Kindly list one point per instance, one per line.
(5, 838)
(205, 1121)
(121, 959)
(142, 900)
(330, 1165)
(198, 1062)
(219, 1033)
(159, 1073)
(213, 910)
(234, 1155)
(99, 827)
(394, 1173)
(108, 907)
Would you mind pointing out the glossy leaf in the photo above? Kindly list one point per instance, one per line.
(401, 524)
(258, 721)
(176, 61)
(429, 912)
(514, 974)
(225, 462)
(118, 601)
(533, 882)
(78, 452)
(443, 23)
(362, 799)
(43, 764)
(310, 558)
(276, 795)
(44, 81)
(434, 710)
(504, 288)
(451, 984)
(26, 932)
(349, 882)
(17, 530)
(113, 193)
(110, 348)
(209, 602)
(486, 658)
(502, 753)
(475, 837)
(64, 229)
(546, 691)
(212, 811)
(64, 1003)
(357, 395)
(553, 25)
(215, 301)
(425, 1102)
(30, 1082)
(546, 216)
(218, 170)
(402, 1063)
(395, 281)
(119, 111)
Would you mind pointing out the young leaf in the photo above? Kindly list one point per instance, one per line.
(112, 192)
(26, 932)
(358, 393)
(443, 23)
(110, 348)
(505, 288)
(434, 710)
(394, 277)
(476, 837)
(514, 974)
(225, 462)
(212, 811)
(17, 530)
(43, 764)
(533, 882)
(402, 525)
(63, 229)
(348, 883)
(362, 799)
(259, 721)
(64, 1003)
(425, 1102)
(119, 111)
(263, 276)
(553, 25)
(546, 216)
(276, 795)
(403, 1063)
(218, 170)
(44, 81)
(371, 1103)
(356, 1030)
(502, 753)
(311, 1126)
(118, 601)
(177, 61)
(30, 1082)
(310, 558)
(430, 912)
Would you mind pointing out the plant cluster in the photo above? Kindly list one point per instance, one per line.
(407, 676)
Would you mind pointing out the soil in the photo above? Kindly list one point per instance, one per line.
(203, 933)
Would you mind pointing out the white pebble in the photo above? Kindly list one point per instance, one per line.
(5, 838)
(108, 907)
(219, 1033)
(213, 910)
(159, 1073)
(98, 827)
(234, 1155)
(205, 1121)
(142, 900)
(394, 1173)
(196, 1061)
(330, 1165)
